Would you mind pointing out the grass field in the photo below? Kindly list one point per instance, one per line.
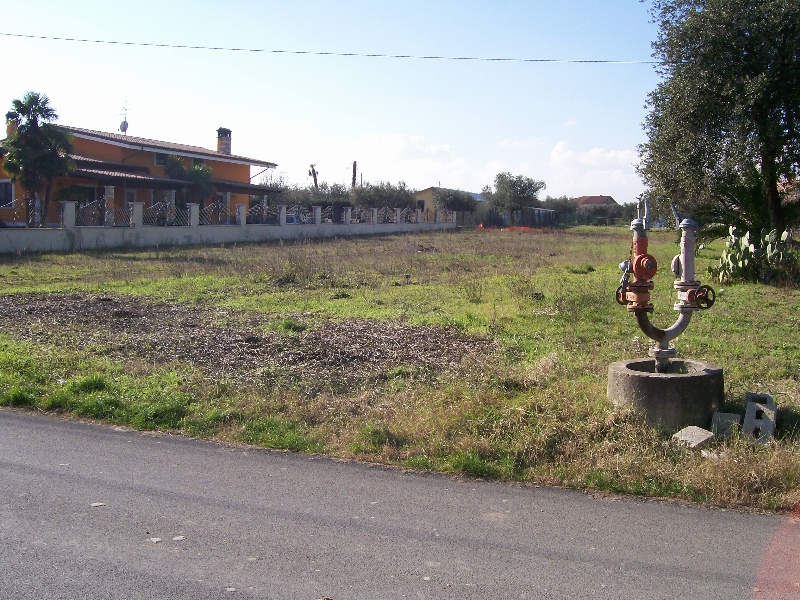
(478, 353)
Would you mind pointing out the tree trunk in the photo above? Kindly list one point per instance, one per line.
(48, 190)
(770, 178)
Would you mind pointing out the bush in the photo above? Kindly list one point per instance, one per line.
(766, 259)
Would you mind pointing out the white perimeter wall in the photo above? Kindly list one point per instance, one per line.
(71, 238)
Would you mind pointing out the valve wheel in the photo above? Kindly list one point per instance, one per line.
(620, 297)
(705, 297)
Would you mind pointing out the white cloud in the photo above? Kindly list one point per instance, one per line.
(592, 172)
(570, 123)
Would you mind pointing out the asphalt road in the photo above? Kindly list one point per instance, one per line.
(82, 508)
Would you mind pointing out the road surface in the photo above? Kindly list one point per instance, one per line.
(89, 511)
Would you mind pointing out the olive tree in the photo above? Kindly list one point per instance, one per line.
(513, 192)
(723, 137)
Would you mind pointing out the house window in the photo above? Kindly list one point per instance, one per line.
(6, 192)
(160, 159)
(130, 196)
(198, 162)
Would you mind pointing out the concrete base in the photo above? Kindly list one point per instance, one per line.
(687, 394)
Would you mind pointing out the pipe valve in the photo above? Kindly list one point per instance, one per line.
(635, 295)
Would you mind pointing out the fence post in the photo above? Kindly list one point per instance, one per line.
(109, 206)
(68, 214)
(281, 215)
(241, 214)
(317, 214)
(348, 215)
(397, 213)
(194, 215)
(136, 214)
(436, 216)
(419, 216)
(374, 216)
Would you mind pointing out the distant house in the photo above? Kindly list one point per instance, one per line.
(588, 203)
(426, 199)
(114, 170)
(597, 210)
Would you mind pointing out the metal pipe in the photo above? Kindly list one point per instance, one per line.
(662, 337)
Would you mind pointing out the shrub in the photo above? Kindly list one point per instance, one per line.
(765, 259)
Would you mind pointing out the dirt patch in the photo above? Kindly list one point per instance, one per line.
(228, 344)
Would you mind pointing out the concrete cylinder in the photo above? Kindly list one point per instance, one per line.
(687, 394)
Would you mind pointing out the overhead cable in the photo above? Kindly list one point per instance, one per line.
(319, 53)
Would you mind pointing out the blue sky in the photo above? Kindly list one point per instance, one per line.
(425, 122)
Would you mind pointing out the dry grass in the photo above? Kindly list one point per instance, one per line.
(485, 354)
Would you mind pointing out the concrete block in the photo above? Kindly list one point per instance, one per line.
(725, 425)
(759, 422)
(760, 398)
(693, 437)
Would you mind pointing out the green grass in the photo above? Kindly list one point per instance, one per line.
(534, 411)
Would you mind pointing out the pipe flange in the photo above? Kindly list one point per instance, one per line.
(662, 354)
(684, 307)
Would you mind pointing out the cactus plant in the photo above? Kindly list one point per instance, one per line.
(767, 258)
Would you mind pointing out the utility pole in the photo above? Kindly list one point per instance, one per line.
(354, 174)
(313, 173)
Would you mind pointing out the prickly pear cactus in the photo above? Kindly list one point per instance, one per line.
(766, 258)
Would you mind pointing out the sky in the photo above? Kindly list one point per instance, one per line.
(426, 122)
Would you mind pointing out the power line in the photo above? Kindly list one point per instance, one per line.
(346, 54)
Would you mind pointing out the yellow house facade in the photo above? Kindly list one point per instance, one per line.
(114, 170)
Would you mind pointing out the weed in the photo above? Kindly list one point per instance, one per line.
(487, 358)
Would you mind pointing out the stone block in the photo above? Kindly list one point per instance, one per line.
(693, 437)
(759, 422)
(760, 398)
(725, 425)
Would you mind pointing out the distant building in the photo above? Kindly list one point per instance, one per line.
(426, 199)
(587, 203)
(114, 170)
(597, 210)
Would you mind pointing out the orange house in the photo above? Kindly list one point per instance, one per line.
(115, 170)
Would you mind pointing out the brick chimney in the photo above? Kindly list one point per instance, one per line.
(224, 140)
(12, 122)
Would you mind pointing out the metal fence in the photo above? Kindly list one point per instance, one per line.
(217, 213)
(99, 213)
(165, 214)
(387, 215)
(361, 214)
(262, 214)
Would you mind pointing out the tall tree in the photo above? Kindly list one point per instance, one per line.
(724, 124)
(513, 192)
(38, 151)
(455, 200)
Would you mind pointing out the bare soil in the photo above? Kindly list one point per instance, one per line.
(227, 344)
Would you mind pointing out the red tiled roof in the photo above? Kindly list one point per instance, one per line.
(133, 179)
(129, 141)
(590, 200)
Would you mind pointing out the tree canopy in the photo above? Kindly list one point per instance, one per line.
(38, 151)
(455, 200)
(723, 139)
(513, 192)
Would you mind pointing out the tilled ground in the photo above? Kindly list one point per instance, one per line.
(227, 344)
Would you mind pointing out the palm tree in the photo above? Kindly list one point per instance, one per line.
(198, 178)
(38, 151)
